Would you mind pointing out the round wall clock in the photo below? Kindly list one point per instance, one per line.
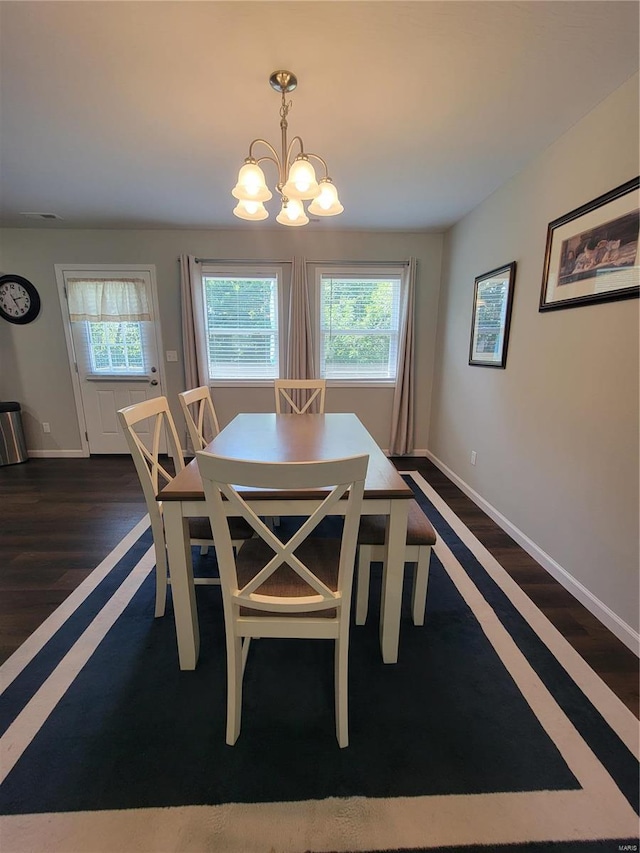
(19, 300)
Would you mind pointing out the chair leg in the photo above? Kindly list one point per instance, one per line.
(420, 581)
(245, 652)
(234, 687)
(341, 691)
(362, 586)
(161, 572)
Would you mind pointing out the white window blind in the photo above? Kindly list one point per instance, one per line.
(241, 326)
(359, 324)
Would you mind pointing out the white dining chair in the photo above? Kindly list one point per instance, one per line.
(153, 475)
(371, 539)
(298, 395)
(267, 589)
(200, 416)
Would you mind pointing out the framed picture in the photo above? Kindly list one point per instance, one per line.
(592, 252)
(492, 302)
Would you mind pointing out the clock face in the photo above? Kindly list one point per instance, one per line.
(19, 300)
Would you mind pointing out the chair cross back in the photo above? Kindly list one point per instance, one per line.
(155, 468)
(283, 386)
(284, 554)
(203, 416)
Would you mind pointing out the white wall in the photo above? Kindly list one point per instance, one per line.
(556, 432)
(34, 368)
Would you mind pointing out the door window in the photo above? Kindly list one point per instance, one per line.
(115, 348)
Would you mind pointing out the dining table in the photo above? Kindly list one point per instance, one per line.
(269, 437)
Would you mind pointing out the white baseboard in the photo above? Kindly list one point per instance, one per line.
(604, 614)
(55, 454)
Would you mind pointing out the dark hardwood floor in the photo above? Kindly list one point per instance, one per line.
(60, 517)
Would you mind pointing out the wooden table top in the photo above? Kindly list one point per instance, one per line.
(268, 437)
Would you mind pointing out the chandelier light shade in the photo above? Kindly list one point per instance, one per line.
(292, 213)
(326, 203)
(251, 210)
(297, 181)
(251, 184)
(301, 182)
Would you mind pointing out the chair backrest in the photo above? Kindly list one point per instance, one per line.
(336, 477)
(303, 393)
(200, 415)
(153, 475)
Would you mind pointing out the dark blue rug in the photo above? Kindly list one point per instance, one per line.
(476, 739)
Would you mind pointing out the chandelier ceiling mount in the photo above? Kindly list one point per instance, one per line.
(297, 180)
(283, 81)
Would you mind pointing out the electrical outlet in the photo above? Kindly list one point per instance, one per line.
(172, 355)
(474, 456)
(46, 427)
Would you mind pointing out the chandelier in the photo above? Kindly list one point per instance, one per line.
(297, 180)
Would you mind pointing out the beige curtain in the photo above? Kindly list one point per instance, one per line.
(195, 362)
(401, 442)
(100, 300)
(300, 361)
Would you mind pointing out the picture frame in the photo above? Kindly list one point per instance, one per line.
(491, 317)
(591, 254)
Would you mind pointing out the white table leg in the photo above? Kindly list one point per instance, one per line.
(182, 587)
(391, 604)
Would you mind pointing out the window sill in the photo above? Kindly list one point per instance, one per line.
(360, 383)
(331, 383)
(241, 383)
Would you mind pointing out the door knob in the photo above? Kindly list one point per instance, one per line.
(153, 382)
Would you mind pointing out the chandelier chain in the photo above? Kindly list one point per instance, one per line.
(285, 107)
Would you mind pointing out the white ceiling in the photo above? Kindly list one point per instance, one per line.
(139, 114)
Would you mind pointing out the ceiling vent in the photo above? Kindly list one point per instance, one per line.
(37, 215)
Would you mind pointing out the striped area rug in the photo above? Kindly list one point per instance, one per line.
(489, 734)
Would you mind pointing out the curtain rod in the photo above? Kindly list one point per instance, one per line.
(288, 261)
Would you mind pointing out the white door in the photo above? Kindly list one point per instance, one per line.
(116, 363)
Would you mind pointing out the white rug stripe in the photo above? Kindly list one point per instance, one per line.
(35, 713)
(349, 824)
(14, 665)
(614, 711)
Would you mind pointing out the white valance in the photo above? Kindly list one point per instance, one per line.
(99, 300)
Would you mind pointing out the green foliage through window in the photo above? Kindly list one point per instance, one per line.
(115, 347)
(359, 326)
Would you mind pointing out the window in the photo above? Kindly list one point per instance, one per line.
(115, 347)
(359, 315)
(241, 323)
